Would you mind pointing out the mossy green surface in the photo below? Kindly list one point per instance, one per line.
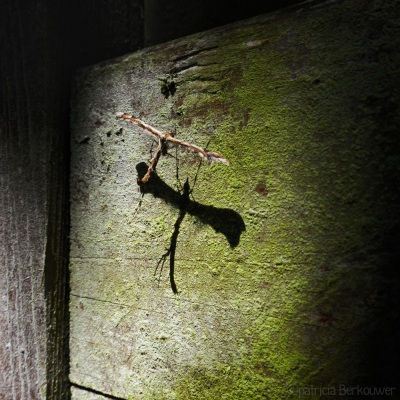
(307, 120)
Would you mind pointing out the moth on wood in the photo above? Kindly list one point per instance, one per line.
(165, 137)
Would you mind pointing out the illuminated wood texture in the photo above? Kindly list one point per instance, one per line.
(280, 259)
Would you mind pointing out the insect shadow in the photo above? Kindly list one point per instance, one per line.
(222, 220)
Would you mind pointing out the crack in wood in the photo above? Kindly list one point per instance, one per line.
(226, 309)
(100, 300)
(193, 53)
(156, 310)
(98, 392)
(177, 70)
(203, 78)
(183, 68)
(118, 304)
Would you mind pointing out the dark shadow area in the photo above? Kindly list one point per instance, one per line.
(166, 20)
(380, 338)
(222, 220)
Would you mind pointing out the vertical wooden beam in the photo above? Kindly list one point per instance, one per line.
(42, 43)
(25, 157)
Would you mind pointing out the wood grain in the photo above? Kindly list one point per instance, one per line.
(39, 53)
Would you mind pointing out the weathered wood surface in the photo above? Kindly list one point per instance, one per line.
(38, 54)
(25, 146)
(278, 256)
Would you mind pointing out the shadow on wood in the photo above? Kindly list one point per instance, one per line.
(222, 220)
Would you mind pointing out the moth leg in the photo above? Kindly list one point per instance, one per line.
(178, 181)
(153, 164)
(139, 204)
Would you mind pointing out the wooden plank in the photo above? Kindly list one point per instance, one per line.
(25, 151)
(39, 53)
(271, 290)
